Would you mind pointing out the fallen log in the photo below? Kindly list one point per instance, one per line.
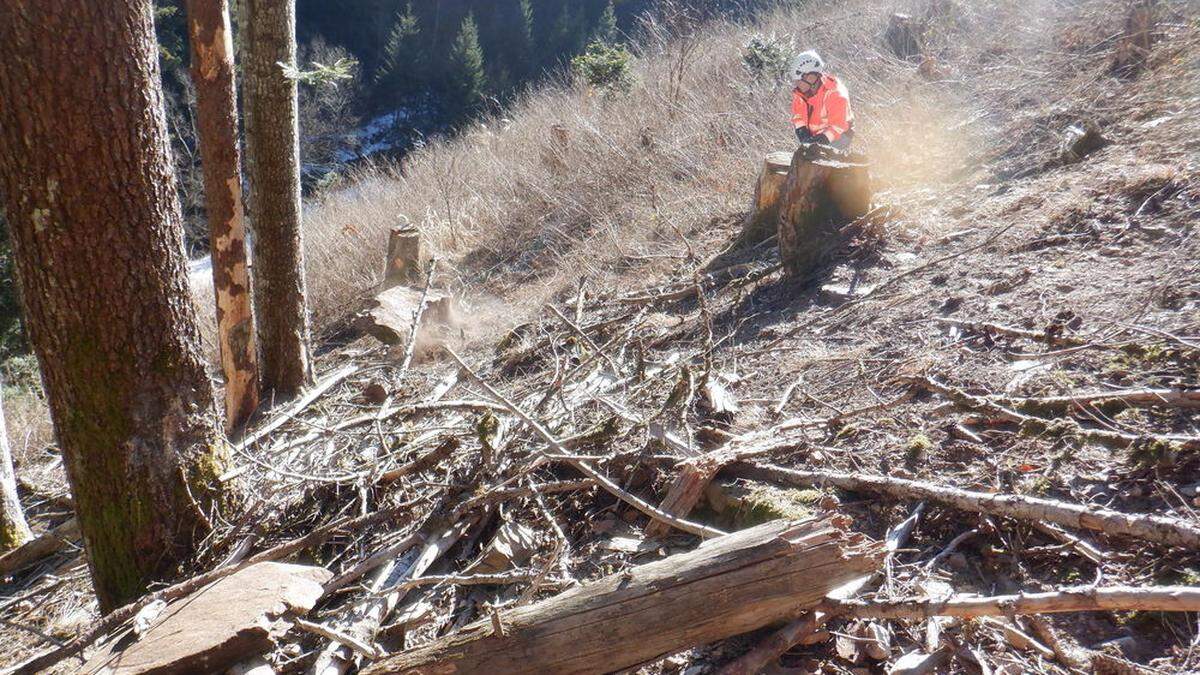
(1114, 400)
(1052, 338)
(1160, 529)
(40, 547)
(803, 630)
(1075, 599)
(217, 626)
(388, 316)
(729, 585)
(1150, 445)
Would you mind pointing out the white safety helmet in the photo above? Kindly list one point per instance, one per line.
(807, 62)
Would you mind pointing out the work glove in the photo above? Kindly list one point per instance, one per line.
(819, 139)
(804, 135)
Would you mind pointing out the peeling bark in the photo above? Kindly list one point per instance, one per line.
(268, 39)
(85, 171)
(212, 72)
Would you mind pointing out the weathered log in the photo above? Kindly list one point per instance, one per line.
(807, 629)
(727, 586)
(820, 196)
(760, 224)
(1077, 599)
(407, 258)
(217, 626)
(1148, 527)
(389, 315)
(40, 547)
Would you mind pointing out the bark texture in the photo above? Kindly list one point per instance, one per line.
(268, 39)
(819, 197)
(212, 72)
(85, 170)
(407, 259)
(14, 531)
(761, 223)
(727, 586)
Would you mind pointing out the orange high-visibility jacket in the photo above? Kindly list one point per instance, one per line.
(825, 112)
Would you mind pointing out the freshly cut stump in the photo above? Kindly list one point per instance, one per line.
(406, 258)
(760, 224)
(729, 585)
(819, 198)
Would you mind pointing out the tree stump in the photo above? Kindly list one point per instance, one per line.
(1136, 41)
(904, 37)
(760, 224)
(406, 258)
(820, 197)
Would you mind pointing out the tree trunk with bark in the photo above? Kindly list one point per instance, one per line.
(85, 170)
(14, 531)
(268, 39)
(216, 101)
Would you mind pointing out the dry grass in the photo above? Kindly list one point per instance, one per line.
(521, 206)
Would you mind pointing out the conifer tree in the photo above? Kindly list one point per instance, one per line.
(271, 110)
(523, 46)
(606, 29)
(467, 81)
(404, 59)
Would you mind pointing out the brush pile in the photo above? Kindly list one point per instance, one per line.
(486, 503)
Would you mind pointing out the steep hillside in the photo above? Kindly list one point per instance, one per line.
(1009, 324)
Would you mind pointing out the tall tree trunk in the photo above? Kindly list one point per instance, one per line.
(85, 170)
(212, 72)
(268, 39)
(14, 531)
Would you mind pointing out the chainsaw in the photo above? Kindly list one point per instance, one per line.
(824, 155)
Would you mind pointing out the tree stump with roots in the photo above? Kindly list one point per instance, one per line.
(819, 198)
(761, 223)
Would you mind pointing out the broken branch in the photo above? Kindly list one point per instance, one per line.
(1161, 529)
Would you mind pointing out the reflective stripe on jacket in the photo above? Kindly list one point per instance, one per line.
(827, 111)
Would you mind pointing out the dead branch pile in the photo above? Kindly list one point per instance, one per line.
(581, 465)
